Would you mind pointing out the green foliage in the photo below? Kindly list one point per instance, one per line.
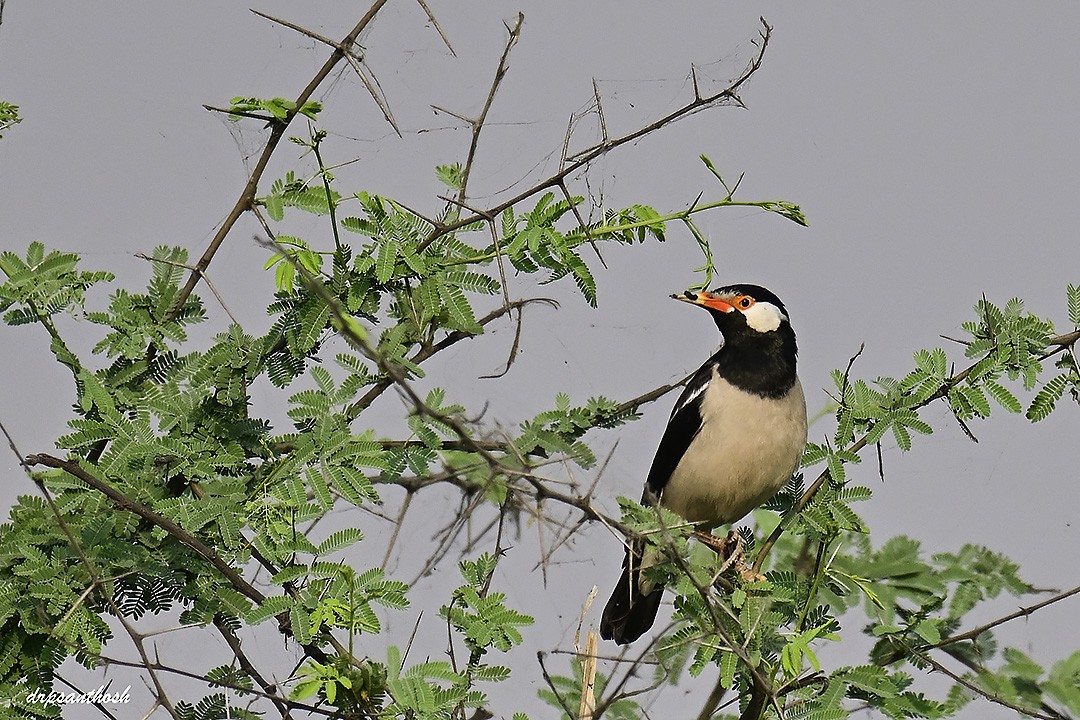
(43, 285)
(301, 254)
(302, 195)
(146, 320)
(481, 616)
(214, 707)
(9, 116)
(560, 430)
(277, 108)
(450, 175)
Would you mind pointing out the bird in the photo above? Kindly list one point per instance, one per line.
(735, 437)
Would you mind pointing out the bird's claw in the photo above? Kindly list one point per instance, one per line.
(730, 548)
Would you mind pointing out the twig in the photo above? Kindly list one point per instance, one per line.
(1022, 612)
(438, 27)
(425, 353)
(992, 697)
(293, 704)
(478, 123)
(204, 276)
(97, 705)
(374, 89)
(397, 527)
(240, 113)
(353, 59)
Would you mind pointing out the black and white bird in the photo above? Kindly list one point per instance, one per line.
(735, 437)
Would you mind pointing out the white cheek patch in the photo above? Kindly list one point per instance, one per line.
(764, 317)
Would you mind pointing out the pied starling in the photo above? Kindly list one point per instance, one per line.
(735, 437)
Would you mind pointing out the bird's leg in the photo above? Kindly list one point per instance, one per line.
(731, 549)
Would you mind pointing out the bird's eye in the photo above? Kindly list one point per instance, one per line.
(745, 301)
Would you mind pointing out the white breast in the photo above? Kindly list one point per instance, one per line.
(747, 449)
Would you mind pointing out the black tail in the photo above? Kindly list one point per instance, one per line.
(629, 612)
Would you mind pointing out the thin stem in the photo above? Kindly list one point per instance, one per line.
(324, 173)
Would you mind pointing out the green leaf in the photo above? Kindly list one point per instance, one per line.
(460, 310)
(387, 257)
(339, 540)
(1003, 396)
(450, 175)
(1063, 684)
(1047, 398)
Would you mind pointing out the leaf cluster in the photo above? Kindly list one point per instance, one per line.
(277, 108)
(9, 116)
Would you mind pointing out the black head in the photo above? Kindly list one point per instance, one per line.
(740, 308)
(759, 348)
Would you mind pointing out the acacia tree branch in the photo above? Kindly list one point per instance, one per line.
(160, 696)
(425, 352)
(247, 194)
(478, 123)
(203, 276)
(1021, 613)
(1059, 343)
(126, 503)
(248, 667)
(992, 697)
(160, 667)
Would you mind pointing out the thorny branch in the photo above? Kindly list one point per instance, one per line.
(973, 687)
(1021, 613)
(477, 123)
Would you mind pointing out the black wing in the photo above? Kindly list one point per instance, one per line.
(682, 427)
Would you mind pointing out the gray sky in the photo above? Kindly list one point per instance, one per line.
(932, 146)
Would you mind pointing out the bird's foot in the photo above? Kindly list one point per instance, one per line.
(725, 547)
(731, 549)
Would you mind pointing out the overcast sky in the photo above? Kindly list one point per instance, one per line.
(932, 146)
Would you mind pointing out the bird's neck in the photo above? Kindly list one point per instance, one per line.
(761, 364)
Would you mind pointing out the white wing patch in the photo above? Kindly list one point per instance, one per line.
(694, 394)
(764, 317)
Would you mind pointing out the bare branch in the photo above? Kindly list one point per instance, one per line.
(437, 26)
(478, 123)
(1021, 613)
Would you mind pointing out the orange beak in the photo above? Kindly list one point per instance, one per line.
(705, 299)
